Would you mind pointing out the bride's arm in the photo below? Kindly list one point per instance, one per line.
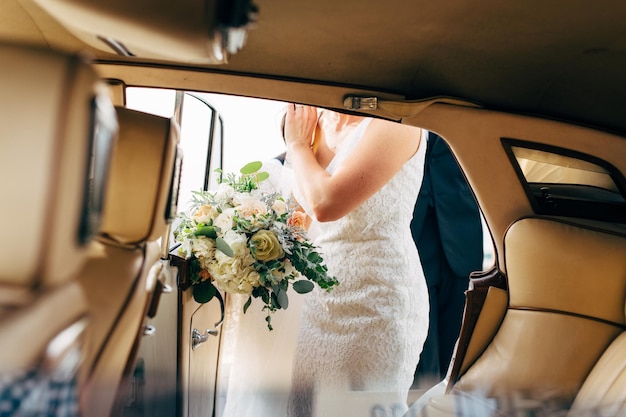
(380, 154)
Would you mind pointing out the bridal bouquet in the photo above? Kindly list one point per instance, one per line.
(242, 240)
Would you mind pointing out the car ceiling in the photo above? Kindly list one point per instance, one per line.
(561, 60)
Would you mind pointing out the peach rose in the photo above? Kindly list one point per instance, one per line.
(298, 220)
(204, 275)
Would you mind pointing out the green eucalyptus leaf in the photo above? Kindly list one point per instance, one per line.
(303, 286)
(275, 305)
(251, 167)
(224, 247)
(208, 231)
(282, 299)
(262, 176)
(204, 291)
(247, 305)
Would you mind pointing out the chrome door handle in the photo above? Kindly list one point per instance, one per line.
(198, 338)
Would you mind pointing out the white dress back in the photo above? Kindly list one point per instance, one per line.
(359, 344)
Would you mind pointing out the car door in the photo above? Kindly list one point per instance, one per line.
(176, 369)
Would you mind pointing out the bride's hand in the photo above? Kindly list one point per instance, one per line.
(300, 122)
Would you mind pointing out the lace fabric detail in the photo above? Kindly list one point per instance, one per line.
(366, 335)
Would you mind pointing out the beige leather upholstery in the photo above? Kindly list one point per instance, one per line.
(491, 315)
(48, 103)
(26, 332)
(118, 279)
(140, 180)
(544, 355)
(561, 343)
(45, 118)
(604, 389)
(565, 308)
(586, 266)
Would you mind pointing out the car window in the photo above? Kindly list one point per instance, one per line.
(565, 183)
(217, 131)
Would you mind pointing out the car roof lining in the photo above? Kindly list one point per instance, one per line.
(529, 57)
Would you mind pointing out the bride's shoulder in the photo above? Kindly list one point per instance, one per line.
(403, 136)
(394, 127)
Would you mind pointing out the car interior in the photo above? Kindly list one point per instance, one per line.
(97, 316)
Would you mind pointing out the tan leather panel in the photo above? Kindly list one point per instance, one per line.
(25, 332)
(158, 29)
(487, 325)
(119, 287)
(118, 279)
(605, 387)
(543, 355)
(586, 266)
(140, 178)
(15, 296)
(42, 162)
(107, 280)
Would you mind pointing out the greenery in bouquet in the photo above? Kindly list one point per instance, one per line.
(242, 240)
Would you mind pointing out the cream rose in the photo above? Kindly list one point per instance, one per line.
(279, 206)
(205, 214)
(250, 207)
(266, 246)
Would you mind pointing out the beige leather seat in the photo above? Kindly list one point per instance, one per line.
(121, 275)
(49, 104)
(557, 345)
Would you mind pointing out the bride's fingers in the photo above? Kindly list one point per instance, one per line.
(299, 123)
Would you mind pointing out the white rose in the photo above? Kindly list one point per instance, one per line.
(225, 220)
(224, 192)
(237, 242)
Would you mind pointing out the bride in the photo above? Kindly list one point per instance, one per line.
(359, 344)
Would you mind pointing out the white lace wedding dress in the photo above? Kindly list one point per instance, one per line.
(359, 344)
(255, 367)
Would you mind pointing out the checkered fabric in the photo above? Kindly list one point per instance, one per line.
(31, 394)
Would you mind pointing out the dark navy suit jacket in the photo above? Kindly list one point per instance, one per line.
(444, 187)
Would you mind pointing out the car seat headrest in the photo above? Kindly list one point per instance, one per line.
(142, 180)
(56, 142)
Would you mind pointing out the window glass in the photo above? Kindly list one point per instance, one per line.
(546, 167)
(197, 127)
(251, 128)
(235, 130)
(562, 182)
(151, 100)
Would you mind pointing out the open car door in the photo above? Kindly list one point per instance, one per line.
(176, 369)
